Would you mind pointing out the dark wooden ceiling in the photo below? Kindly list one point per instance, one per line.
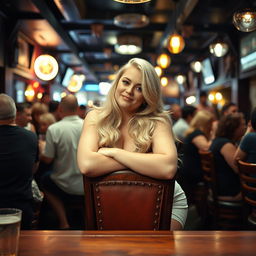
(64, 28)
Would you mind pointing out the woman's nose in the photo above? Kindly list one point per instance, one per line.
(129, 89)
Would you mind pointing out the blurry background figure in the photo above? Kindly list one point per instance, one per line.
(45, 120)
(23, 116)
(197, 137)
(81, 111)
(229, 132)
(37, 110)
(180, 127)
(175, 111)
(46, 98)
(229, 108)
(53, 108)
(203, 103)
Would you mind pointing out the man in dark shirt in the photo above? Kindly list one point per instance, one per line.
(18, 155)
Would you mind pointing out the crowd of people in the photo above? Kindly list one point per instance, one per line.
(52, 145)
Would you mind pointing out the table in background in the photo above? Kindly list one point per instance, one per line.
(123, 243)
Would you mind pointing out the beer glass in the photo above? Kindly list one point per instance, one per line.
(10, 219)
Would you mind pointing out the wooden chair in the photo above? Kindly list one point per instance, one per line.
(247, 172)
(225, 214)
(126, 200)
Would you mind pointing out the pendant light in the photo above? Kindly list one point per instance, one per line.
(163, 60)
(218, 49)
(245, 20)
(175, 42)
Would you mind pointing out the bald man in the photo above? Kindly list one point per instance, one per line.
(18, 158)
(62, 138)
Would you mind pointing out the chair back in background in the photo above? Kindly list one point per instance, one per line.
(125, 200)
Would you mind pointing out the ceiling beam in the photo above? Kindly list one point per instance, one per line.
(52, 18)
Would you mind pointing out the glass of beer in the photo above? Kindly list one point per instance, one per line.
(10, 219)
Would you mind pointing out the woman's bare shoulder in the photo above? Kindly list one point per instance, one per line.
(92, 115)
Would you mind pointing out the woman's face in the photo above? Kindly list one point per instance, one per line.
(240, 130)
(128, 93)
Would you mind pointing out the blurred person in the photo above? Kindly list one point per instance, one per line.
(229, 108)
(23, 116)
(82, 111)
(197, 137)
(203, 102)
(37, 110)
(46, 98)
(175, 111)
(65, 180)
(129, 131)
(180, 127)
(18, 161)
(230, 129)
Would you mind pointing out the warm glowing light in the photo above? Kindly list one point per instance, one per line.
(158, 70)
(163, 60)
(245, 20)
(39, 95)
(30, 93)
(36, 84)
(218, 49)
(175, 43)
(164, 81)
(63, 94)
(196, 66)
(215, 97)
(180, 79)
(46, 67)
(190, 100)
(76, 82)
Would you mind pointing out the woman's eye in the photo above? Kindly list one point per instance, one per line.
(139, 89)
(125, 82)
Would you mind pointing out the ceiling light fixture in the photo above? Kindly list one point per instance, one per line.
(196, 66)
(218, 49)
(180, 79)
(128, 44)
(245, 20)
(163, 60)
(131, 20)
(175, 43)
(46, 67)
(132, 1)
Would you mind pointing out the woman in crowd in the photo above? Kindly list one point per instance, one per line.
(129, 131)
(229, 132)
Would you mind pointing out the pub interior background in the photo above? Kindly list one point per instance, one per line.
(84, 35)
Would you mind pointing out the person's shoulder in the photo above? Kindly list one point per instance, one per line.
(93, 114)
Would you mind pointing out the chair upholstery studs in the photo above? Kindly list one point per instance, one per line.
(149, 184)
(159, 186)
(100, 220)
(98, 204)
(98, 197)
(97, 190)
(158, 199)
(159, 191)
(99, 212)
(155, 221)
(156, 213)
(135, 182)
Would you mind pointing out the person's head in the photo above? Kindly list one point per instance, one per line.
(188, 112)
(45, 120)
(145, 98)
(203, 97)
(253, 119)
(175, 110)
(229, 108)
(23, 116)
(81, 111)
(37, 110)
(46, 98)
(53, 108)
(68, 105)
(7, 109)
(202, 120)
(231, 126)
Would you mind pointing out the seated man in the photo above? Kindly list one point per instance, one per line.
(18, 157)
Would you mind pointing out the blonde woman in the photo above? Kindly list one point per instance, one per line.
(197, 137)
(131, 130)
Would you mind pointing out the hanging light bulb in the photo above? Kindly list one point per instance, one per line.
(196, 66)
(175, 43)
(218, 49)
(180, 79)
(245, 20)
(46, 67)
(164, 81)
(163, 60)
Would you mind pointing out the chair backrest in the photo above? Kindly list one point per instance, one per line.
(247, 172)
(125, 200)
(209, 173)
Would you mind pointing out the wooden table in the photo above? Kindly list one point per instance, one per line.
(119, 243)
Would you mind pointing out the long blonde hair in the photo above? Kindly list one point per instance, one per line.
(201, 121)
(143, 123)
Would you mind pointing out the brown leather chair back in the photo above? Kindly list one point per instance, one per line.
(247, 172)
(126, 200)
